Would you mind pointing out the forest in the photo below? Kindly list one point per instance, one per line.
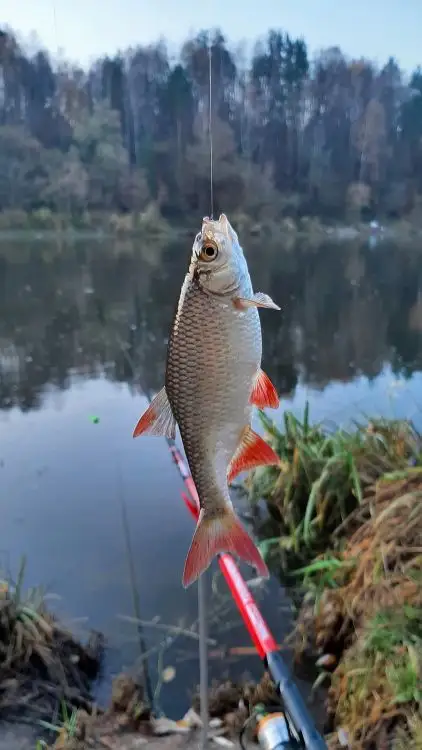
(331, 137)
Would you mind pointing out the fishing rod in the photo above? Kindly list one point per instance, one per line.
(291, 726)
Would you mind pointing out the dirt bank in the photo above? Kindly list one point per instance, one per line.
(127, 723)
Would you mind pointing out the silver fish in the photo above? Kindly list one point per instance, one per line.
(213, 380)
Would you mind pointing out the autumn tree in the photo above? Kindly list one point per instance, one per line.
(292, 136)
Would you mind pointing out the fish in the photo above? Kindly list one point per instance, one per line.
(213, 380)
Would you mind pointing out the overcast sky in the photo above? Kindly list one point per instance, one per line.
(85, 29)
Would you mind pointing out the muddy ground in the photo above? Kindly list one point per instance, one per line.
(22, 737)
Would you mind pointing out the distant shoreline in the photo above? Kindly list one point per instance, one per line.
(46, 225)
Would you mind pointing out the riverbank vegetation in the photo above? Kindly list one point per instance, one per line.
(42, 666)
(47, 681)
(37, 654)
(348, 509)
(47, 689)
(333, 137)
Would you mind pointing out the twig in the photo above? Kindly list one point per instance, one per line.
(177, 630)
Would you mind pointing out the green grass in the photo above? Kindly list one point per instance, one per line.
(327, 572)
(323, 477)
(64, 725)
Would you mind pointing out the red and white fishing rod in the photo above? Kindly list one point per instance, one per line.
(270, 729)
(255, 623)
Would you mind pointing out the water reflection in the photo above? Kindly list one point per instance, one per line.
(95, 308)
(83, 331)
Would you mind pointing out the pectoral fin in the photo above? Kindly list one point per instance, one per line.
(258, 300)
(252, 451)
(158, 418)
(263, 392)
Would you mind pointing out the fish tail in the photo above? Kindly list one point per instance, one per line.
(222, 533)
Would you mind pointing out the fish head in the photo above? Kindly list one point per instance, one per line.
(217, 257)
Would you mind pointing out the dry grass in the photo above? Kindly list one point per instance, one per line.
(41, 664)
(370, 618)
(348, 512)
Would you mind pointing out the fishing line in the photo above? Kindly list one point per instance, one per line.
(146, 679)
(210, 127)
(134, 589)
(202, 591)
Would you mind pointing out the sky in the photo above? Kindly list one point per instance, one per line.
(82, 30)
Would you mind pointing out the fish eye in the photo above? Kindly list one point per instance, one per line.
(208, 252)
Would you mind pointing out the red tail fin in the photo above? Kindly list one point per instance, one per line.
(223, 533)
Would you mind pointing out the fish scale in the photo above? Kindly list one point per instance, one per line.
(214, 402)
(213, 379)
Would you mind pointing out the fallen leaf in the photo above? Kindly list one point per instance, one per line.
(168, 674)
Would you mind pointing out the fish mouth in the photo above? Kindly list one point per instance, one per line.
(207, 248)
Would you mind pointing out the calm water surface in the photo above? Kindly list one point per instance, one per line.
(83, 331)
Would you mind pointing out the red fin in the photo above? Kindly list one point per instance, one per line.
(252, 451)
(223, 533)
(263, 393)
(158, 418)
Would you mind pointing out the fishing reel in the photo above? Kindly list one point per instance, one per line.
(272, 729)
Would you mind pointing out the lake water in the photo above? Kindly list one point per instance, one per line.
(83, 331)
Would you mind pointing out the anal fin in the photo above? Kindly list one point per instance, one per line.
(158, 419)
(251, 452)
(258, 300)
(263, 392)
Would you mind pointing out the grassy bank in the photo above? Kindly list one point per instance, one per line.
(347, 510)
